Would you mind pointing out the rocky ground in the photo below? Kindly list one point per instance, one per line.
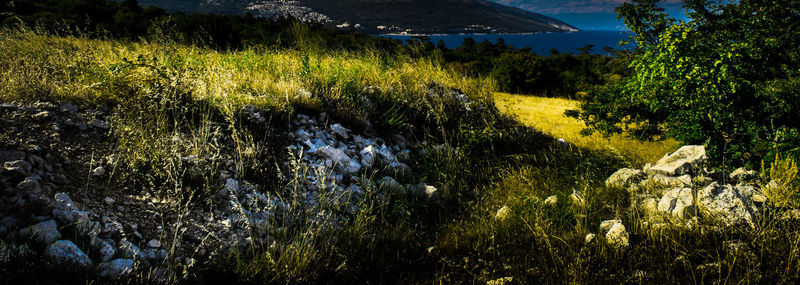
(61, 190)
(680, 191)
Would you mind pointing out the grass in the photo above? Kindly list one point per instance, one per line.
(547, 115)
(482, 160)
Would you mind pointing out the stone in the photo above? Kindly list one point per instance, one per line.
(606, 225)
(503, 214)
(64, 252)
(41, 116)
(44, 232)
(589, 238)
(432, 193)
(727, 203)
(678, 202)
(154, 243)
(624, 178)
(106, 249)
(30, 184)
(501, 281)
(100, 124)
(99, 171)
(340, 159)
(658, 182)
(108, 201)
(19, 166)
(67, 107)
(741, 174)
(552, 200)
(389, 184)
(685, 160)
(129, 250)
(618, 236)
(339, 130)
(368, 156)
(116, 268)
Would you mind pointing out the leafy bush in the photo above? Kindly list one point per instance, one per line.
(727, 78)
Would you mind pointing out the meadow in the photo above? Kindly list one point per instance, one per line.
(516, 203)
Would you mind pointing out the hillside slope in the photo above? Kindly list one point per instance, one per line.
(391, 16)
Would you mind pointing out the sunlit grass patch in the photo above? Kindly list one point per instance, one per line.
(547, 115)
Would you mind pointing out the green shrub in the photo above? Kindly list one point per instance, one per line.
(727, 78)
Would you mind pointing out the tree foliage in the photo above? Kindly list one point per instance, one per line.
(726, 78)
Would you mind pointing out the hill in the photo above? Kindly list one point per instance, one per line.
(387, 16)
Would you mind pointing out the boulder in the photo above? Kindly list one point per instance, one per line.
(730, 204)
(11, 155)
(685, 160)
(30, 184)
(44, 232)
(624, 178)
(678, 202)
(116, 268)
(64, 251)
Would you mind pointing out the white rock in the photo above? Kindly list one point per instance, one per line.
(109, 201)
(678, 202)
(64, 251)
(552, 200)
(503, 214)
(624, 177)
(368, 155)
(340, 131)
(727, 203)
(154, 243)
(339, 159)
(116, 268)
(99, 171)
(589, 238)
(618, 236)
(683, 161)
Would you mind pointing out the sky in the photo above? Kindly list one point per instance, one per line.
(586, 14)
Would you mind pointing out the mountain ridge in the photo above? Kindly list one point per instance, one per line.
(386, 16)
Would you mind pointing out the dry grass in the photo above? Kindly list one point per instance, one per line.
(547, 115)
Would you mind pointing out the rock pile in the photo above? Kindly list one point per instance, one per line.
(679, 188)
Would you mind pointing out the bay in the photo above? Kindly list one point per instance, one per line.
(540, 43)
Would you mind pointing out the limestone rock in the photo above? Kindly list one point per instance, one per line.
(45, 232)
(741, 174)
(116, 268)
(678, 202)
(341, 160)
(130, 250)
(503, 214)
(616, 235)
(730, 204)
(624, 177)
(64, 251)
(686, 159)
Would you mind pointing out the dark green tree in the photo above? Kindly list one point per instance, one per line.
(727, 78)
